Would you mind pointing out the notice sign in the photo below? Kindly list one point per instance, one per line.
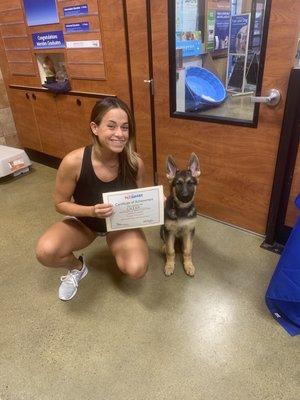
(48, 40)
(76, 10)
(78, 27)
(82, 44)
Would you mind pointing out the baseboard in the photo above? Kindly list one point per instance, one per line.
(42, 158)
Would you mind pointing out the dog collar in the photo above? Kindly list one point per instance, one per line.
(181, 204)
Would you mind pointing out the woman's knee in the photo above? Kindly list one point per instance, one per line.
(130, 251)
(46, 252)
(134, 268)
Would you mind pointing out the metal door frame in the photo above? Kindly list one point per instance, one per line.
(277, 232)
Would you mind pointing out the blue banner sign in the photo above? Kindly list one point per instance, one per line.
(222, 29)
(189, 47)
(239, 33)
(48, 40)
(76, 10)
(190, 43)
(78, 27)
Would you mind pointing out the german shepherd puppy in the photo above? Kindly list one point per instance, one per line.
(180, 213)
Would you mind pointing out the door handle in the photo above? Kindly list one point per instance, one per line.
(272, 99)
(151, 83)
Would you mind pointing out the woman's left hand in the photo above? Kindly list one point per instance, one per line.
(102, 210)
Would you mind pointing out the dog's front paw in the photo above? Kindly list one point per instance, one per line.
(169, 268)
(189, 268)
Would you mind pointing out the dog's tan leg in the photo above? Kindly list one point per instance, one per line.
(170, 254)
(187, 254)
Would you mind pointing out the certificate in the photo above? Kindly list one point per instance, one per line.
(135, 208)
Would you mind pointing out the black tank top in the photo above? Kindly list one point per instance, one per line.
(89, 189)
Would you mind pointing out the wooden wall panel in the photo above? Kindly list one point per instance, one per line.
(22, 68)
(79, 36)
(107, 26)
(25, 119)
(45, 110)
(15, 43)
(99, 70)
(11, 16)
(139, 63)
(13, 30)
(84, 55)
(114, 49)
(84, 63)
(6, 5)
(17, 55)
(74, 115)
(15, 39)
(86, 71)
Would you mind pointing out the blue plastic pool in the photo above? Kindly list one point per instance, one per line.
(203, 89)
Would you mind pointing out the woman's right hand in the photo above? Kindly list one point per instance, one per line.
(102, 210)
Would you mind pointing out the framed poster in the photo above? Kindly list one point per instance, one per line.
(39, 12)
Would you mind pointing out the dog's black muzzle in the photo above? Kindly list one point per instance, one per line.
(186, 193)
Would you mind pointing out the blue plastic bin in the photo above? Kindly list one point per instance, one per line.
(203, 89)
(283, 294)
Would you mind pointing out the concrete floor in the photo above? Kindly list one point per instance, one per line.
(209, 337)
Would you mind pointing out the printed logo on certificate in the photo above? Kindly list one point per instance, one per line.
(135, 208)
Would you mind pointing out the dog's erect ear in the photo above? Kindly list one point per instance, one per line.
(194, 165)
(171, 168)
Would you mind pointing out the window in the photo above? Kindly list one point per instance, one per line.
(216, 56)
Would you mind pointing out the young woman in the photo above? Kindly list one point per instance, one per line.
(109, 164)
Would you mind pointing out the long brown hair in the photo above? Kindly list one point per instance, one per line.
(128, 158)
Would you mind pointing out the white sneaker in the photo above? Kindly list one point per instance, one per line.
(69, 283)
